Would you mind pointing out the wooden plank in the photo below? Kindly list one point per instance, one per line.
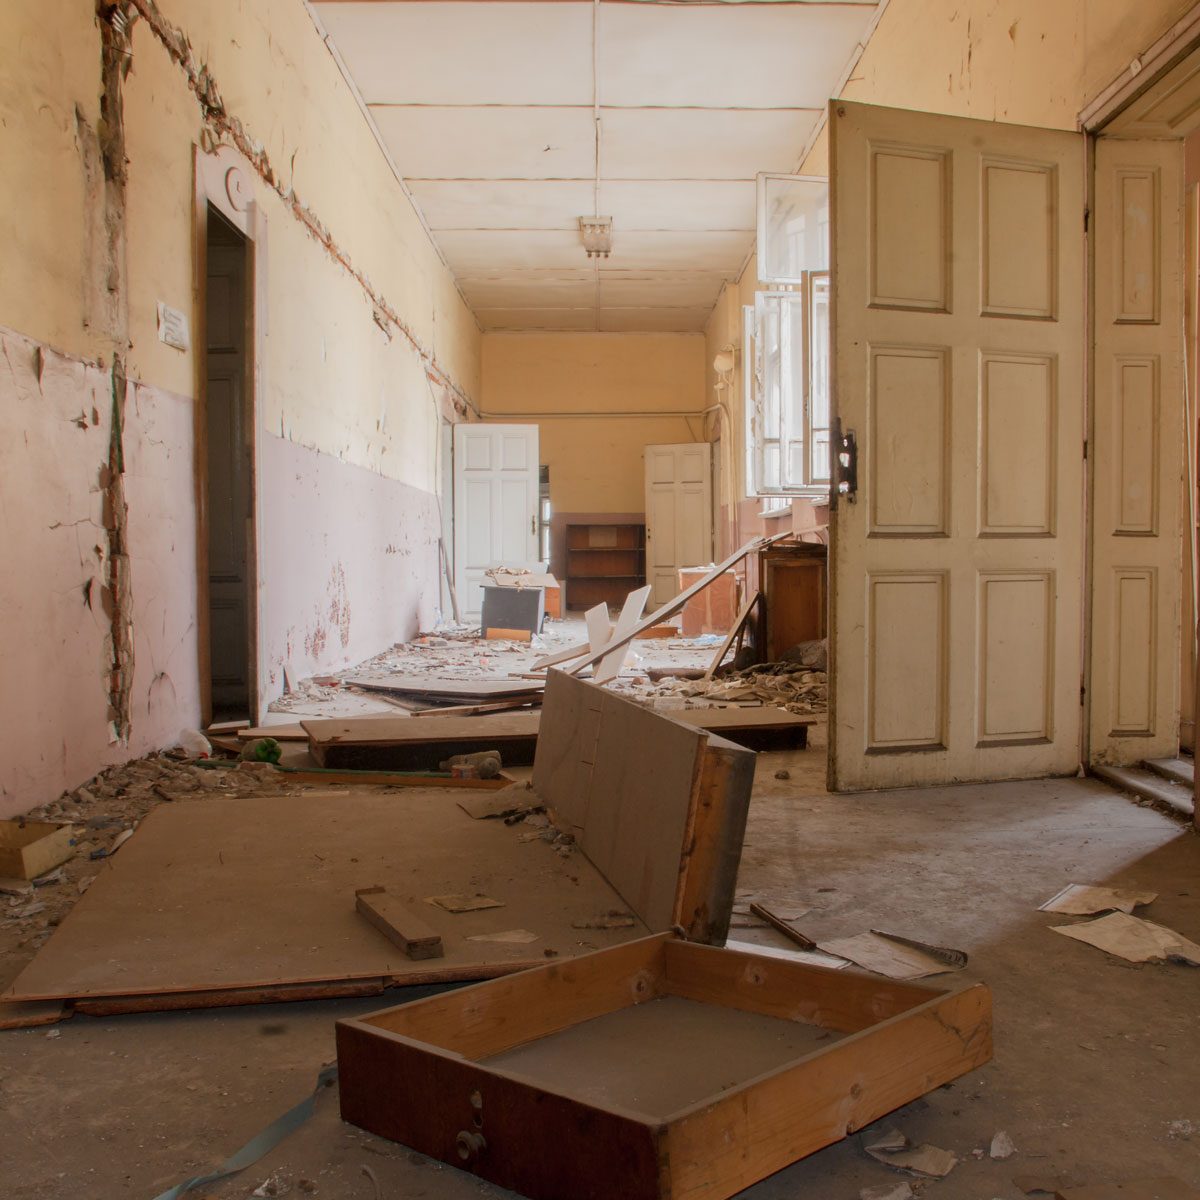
(415, 779)
(281, 733)
(846, 1000)
(398, 923)
(486, 1019)
(219, 895)
(735, 632)
(29, 1015)
(713, 839)
(718, 1148)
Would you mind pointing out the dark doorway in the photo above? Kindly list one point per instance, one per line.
(229, 479)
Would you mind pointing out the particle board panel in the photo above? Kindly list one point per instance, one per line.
(582, 1078)
(216, 896)
(659, 806)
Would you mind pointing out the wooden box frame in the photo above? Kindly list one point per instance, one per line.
(414, 1073)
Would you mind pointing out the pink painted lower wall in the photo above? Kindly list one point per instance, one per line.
(348, 563)
(55, 424)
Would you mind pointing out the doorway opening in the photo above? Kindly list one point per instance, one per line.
(228, 473)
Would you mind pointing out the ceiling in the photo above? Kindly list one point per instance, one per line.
(510, 121)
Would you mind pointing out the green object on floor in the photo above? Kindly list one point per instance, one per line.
(266, 750)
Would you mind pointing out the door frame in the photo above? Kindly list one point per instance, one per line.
(222, 181)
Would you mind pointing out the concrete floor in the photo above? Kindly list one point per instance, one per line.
(1095, 1072)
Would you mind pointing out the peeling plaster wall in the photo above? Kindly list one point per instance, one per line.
(55, 725)
(358, 306)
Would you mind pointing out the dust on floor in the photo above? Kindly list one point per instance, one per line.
(1094, 1075)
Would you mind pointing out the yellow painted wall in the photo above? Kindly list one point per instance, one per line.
(331, 379)
(595, 461)
(1029, 62)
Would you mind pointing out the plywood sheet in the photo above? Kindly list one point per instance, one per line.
(649, 801)
(220, 894)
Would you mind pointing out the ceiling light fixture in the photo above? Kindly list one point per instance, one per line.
(596, 233)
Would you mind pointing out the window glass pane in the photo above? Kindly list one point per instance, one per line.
(818, 377)
(793, 227)
(792, 381)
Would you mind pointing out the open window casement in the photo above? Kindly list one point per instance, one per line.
(787, 389)
(787, 371)
(793, 227)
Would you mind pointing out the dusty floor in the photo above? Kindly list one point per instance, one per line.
(1094, 1073)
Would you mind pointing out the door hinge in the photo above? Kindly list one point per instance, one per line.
(1082, 693)
(1085, 449)
(1087, 216)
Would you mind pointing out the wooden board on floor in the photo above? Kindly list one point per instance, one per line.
(659, 806)
(404, 744)
(251, 895)
(462, 690)
(399, 743)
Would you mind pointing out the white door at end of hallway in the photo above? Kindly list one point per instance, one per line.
(495, 505)
(678, 514)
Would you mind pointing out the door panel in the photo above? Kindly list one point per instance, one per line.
(958, 310)
(495, 504)
(678, 514)
(1139, 441)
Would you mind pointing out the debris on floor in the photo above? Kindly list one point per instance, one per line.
(1083, 899)
(895, 956)
(1002, 1146)
(893, 1149)
(1133, 939)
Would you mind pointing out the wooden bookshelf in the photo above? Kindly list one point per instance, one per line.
(604, 564)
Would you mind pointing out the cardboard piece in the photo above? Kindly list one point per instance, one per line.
(896, 957)
(1133, 939)
(894, 1150)
(31, 848)
(1083, 899)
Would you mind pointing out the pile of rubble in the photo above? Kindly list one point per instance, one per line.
(784, 685)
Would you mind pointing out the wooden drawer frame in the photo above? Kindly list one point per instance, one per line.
(413, 1073)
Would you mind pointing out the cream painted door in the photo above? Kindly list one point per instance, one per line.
(1140, 446)
(678, 514)
(958, 301)
(495, 504)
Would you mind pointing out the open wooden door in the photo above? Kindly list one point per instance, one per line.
(1140, 441)
(957, 567)
(495, 504)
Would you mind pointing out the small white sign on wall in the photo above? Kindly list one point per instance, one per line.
(173, 327)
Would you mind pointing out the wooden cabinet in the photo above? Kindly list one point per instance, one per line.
(604, 564)
(793, 584)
